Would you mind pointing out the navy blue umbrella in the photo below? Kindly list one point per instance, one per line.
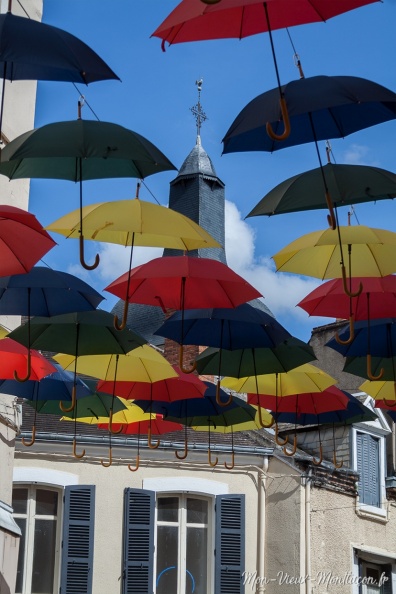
(374, 337)
(229, 328)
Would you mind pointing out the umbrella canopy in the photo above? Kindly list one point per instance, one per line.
(13, 359)
(129, 414)
(378, 338)
(154, 426)
(331, 398)
(255, 361)
(381, 390)
(319, 108)
(23, 241)
(383, 368)
(347, 184)
(143, 364)
(169, 389)
(318, 254)
(230, 328)
(78, 333)
(97, 405)
(377, 299)
(46, 292)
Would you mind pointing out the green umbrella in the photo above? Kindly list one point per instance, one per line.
(382, 367)
(80, 150)
(346, 184)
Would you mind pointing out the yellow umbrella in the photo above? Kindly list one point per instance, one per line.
(380, 390)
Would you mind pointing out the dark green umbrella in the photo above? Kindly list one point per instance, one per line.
(382, 367)
(347, 184)
(80, 150)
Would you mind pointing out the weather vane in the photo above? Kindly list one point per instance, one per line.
(198, 112)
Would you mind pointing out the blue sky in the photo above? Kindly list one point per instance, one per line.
(154, 99)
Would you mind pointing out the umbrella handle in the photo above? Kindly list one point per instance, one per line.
(121, 326)
(30, 443)
(277, 439)
(318, 462)
(194, 366)
(331, 216)
(390, 403)
(29, 370)
(212, 464)
(73, 402)
(293, 451)
(219, 401)
(184, 455)
(264, 425)
(134, 469)
(370, 375)
(111, 426)
(151, 445)
(210, 1)
(351, 332)
(286, 120)
(78, 456)
(344, 284)
(335, 463)
(232, 461)
(109, 463)
(82, 261)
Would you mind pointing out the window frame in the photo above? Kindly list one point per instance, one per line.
(362, 556)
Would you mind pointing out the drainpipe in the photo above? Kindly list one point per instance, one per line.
(261, 512)
(308, 532)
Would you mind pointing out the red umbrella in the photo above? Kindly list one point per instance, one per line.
(167, 390)
(313, 402)
(13, 358)
(184, 282)
(23, 241)
(199, 20)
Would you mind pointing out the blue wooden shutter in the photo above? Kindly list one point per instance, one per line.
(138, 542)
(387, 586)
(368, 466)
(230, 544)
(77, 541)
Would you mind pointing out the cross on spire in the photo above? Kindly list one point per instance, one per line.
(198, 112)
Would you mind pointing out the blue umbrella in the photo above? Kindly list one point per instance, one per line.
(374, 337)
(241, 327)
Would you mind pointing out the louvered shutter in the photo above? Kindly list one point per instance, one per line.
(230, 544)
(367, 453)
(138, 542)
(387, 585)
(78, 539)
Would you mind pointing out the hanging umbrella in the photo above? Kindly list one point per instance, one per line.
(317, 108)
(191, 20)
(81, 150)
(332, 398)
(134, 222)
(383, 392)
(347, 184)
(23, 241)
(13, 357)
(31, 50)
(183, 282)
(380, 367)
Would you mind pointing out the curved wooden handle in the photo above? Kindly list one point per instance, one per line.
(136, 467)
(121, 326)
(30, 443)
(262, 424)
(336, 463)
(151, 445)
(184, 455)
(211, 463)
(232, 461)
(318, 462)
(109, 463)
(345, 287)
(331, 216)
(293, 451)
(78, 456)
(351, 332)
(111, 427)
(29, 369)
(390, 403)
(194, 366)
(219, 401)
(277, 438)
(73, 402)
(286, 121)
(370, 375)
(82, 261)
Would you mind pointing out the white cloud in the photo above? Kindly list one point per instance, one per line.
(357, 154)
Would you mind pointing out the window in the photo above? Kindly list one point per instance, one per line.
(369, 460)
(167, 545)
(36, 513)
(375, 578)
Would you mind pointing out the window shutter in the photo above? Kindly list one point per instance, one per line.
(367, 450)
(138, 542)
(387, 586)
(78, 538)
(230, 544)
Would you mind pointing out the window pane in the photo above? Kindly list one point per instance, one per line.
(197, 511)
(44, 557)
(196, 580)
(21, 557)
(19, 501)
(167, 547)
(46, 503)
(168, 509)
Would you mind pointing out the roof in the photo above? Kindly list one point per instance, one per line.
(198, 162)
